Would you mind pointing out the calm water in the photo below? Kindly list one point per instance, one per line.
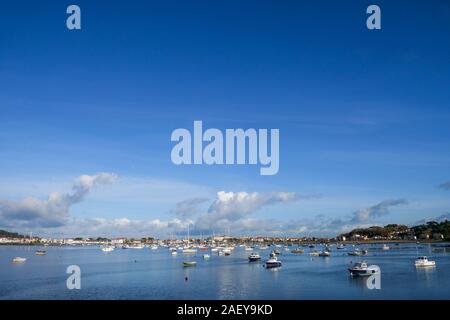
(156, 274)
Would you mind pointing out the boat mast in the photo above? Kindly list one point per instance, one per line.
(188, 236)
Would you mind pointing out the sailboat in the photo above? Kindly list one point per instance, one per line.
(187, 248)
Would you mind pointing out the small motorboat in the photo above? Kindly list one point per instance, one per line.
(324, 253)
(189, 264)
(254, 257)
(424, 262)
(214, 249)
(277, 252)
(340, 246)
(40, 253)
(19, 260)
(361, 269)
(314, 254)
(206, 256)
(385, 247)
(174, 253)
(272, 262)
(107, 249)
(356, 252)
(311, 246)
(297, 250)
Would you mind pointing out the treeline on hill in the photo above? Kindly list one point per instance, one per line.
(433, 227)
(401, 231)
(376, 231)
(6, 234)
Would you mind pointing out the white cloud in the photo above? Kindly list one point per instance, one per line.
(375, 211)
(52, 212)
(229, 209)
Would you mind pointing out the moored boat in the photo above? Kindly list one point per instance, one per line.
(254, 257)
(361, 269)
(40, 253)
(189, 250)
(314, 254)
(107, 249)
(189, 264)
(297, 250)
(356, 252)
(272, 262)
(424, 262)
(324, 253)
(19, 260)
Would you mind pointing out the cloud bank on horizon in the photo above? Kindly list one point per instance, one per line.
(54, 211)
(234, 211)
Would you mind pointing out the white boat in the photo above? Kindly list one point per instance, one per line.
(19, 260)
(174, 253)
(248, 248)
(314, 254)
(272, 262)
(263, 247)
(357, 252)
(324, 253)
(154, 247)
(385, 247)
(107, 249)
(189, 250)
(40, 253)
(139, 246)
(424, 262)
(361, 269)
(254, 257)
(206, 256)
(340, 246)
(214, 249)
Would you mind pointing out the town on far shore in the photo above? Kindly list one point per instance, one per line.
(430, 231)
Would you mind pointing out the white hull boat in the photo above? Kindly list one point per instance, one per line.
(254, 257)
(361, 269)
(273, 262)
(189, 250)
(423, 262)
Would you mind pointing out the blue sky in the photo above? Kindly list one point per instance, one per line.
(363, 115)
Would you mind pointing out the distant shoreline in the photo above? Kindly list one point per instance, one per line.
(429, 241)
